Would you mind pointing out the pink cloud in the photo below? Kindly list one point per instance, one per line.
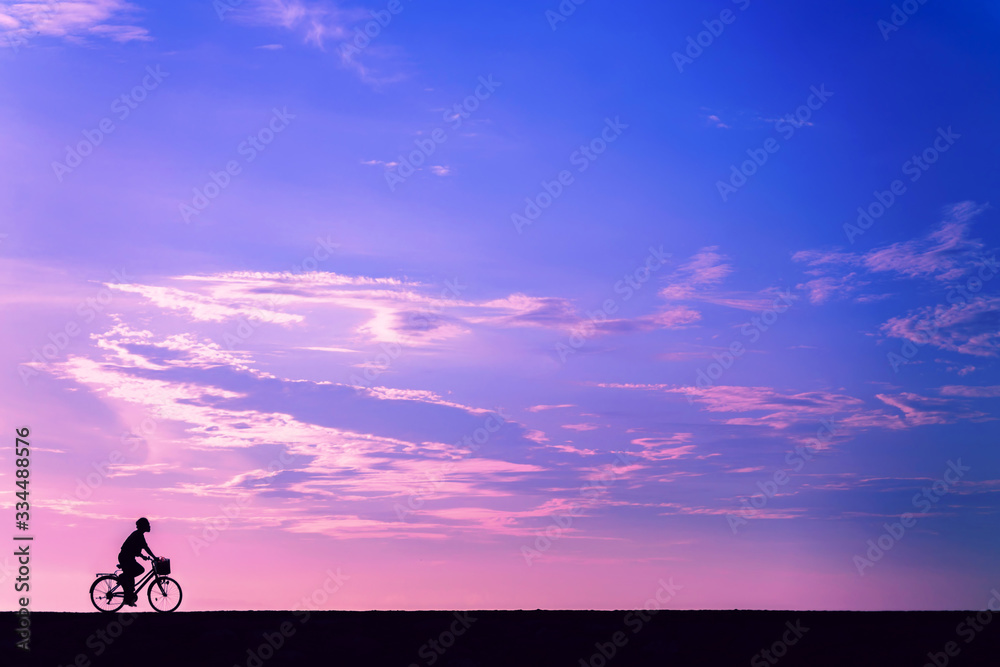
(968, 327)
(742, 399)
(314, 22)
(570, 449)
(520, 310)
(205, 308)
(669, 318)
(912, 406)
(708, 268)
(581, 427)
(537, 436)
(964, 211)
(782, 411)
(715, 121)
(825, 258)
(822, 289)
(971, 392)
(70, 20)
(676, 317)
(699, 279)
(753, 303)
(946, 253)
(664, 448)
(532, 311)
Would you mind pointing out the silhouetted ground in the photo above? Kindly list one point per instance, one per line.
(511, 639)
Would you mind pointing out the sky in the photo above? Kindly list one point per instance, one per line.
(523, 305)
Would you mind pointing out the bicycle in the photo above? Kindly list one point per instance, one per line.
(164, 593)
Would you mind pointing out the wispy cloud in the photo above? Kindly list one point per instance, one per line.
(667, 448)
(919, 410)
(330, 26)
(823, 289)
(944, 254)
(708, 268)
(532, 311)
(207, 308)
(714, 121)
(315, 23)
(971, 392)
(971, 327)
(782, 410)
(700, 280)
(73, 21)
(581, 427)
(521, 310)
(540, 408)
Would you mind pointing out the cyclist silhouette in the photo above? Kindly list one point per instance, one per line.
(131, 549)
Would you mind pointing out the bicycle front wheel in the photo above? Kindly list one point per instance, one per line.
(164, 594)
(106, 593)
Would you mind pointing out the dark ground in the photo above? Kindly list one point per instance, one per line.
(511, 639)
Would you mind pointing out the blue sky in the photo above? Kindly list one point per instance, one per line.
(286, 291)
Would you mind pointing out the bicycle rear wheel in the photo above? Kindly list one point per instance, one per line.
(164, 594)
(106, 593)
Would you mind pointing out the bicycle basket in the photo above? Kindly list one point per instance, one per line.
(161, 566)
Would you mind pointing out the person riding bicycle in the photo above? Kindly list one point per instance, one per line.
(131, 549)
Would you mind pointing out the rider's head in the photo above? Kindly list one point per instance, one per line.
(143, 525)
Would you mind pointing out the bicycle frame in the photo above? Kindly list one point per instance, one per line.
(139, 584)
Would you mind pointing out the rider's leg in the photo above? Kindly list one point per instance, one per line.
(130, 570)
(126, 578)
(128, 585)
